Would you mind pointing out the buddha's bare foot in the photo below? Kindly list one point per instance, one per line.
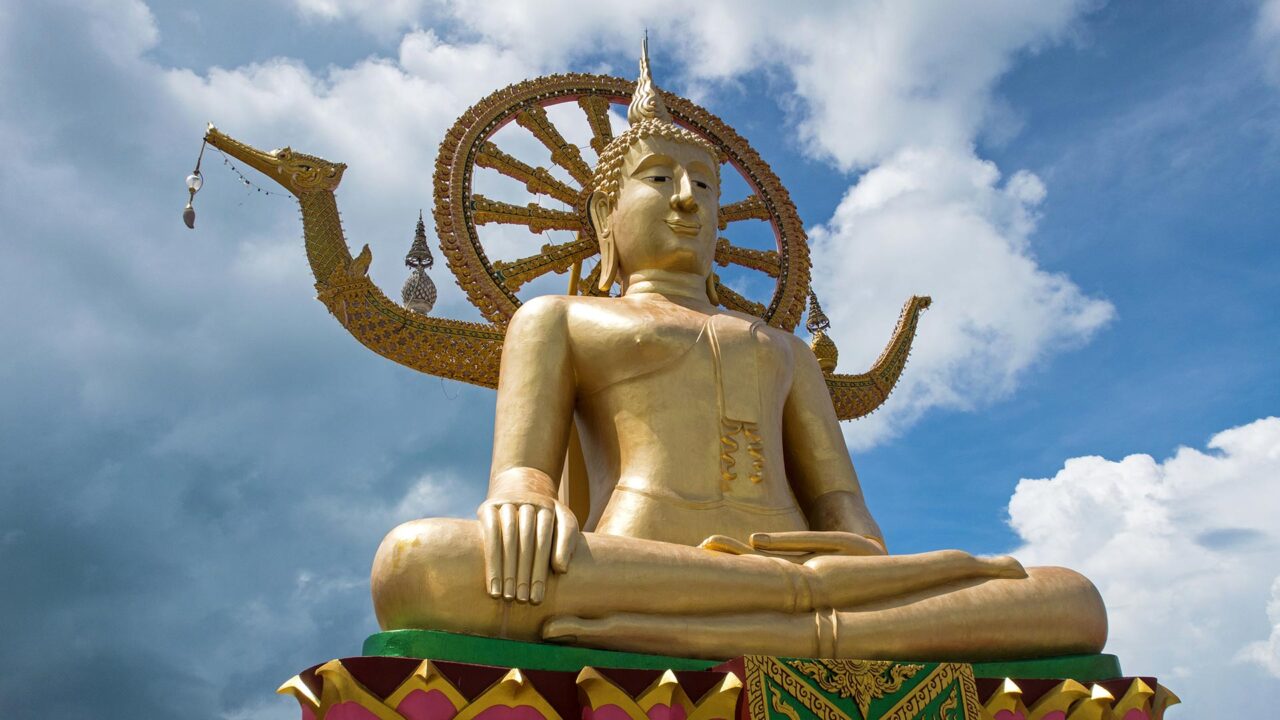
(572, 630)
(714, 637)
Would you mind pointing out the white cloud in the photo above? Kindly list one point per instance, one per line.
(941, 223)
(430, 496)
(900, 74)
(433, 494)
(120, 31)
(873, 77)
(1266, 653)
(381, 17)
(1187, 557)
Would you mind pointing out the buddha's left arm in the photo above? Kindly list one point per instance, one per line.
(818, 465)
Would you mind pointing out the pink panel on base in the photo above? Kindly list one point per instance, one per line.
(1010, 715)
(605, 712)
(666, 712)
(349, 711)
(506, 712)
(307, 713)
(1136, 714)
(419, 705)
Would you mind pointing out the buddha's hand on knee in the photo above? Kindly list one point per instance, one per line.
(804, 544)
(527, 532)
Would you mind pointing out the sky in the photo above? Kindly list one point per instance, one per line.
(197, 463)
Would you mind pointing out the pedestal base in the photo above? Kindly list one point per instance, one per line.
(427, 675)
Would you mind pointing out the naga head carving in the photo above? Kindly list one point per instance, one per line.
(307, 173)
(297, 172)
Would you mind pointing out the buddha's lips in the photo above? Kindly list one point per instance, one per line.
(680, 227)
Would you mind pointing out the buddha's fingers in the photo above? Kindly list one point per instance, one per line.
(815, 541)
(727, 545)
(566, 538)
(542, 554)
(492, 532)
(528, 549)
(510, 550)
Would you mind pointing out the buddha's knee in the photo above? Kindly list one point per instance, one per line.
(1078, 604)
(428, 574)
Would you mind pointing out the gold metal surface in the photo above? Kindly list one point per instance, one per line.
(595, 691)
(1058, 700)
(725, 517)
(1005, 702)
(776, 701)
(957, 677)
(861, 680)
(513, 691)
(723, 514)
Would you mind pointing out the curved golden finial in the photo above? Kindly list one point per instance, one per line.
(856, 395)
(646, 103)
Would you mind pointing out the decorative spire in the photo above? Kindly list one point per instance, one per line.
(646, 103)
(823, 347)
(419, 254)
(817, 321)
(419, 293)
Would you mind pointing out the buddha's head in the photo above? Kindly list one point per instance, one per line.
(655, 195)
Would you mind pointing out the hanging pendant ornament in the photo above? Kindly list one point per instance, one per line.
(195, 181)
(419, 293)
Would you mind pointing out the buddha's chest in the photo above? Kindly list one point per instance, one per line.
(693, 355)
(688, 406)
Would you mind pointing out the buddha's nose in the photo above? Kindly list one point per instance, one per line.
(683, 200)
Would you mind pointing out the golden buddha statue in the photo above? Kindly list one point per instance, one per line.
(725, 514)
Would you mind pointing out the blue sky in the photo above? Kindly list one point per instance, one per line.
(196, 463)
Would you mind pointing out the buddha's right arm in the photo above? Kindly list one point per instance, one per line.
(525, 528)
(818, 465)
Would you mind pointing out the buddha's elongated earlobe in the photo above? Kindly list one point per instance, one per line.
(712, 295)
(608, 262)
(599, 208)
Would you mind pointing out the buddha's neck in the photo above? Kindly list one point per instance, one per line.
(668, 283)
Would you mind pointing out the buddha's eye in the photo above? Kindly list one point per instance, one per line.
(658, 178)
(701, 185)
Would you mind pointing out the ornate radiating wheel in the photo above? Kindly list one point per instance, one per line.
(561, 198)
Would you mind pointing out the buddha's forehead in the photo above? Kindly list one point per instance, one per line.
(682, 153)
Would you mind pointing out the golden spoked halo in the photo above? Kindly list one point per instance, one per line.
(491, 285)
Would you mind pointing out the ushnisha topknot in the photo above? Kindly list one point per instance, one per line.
(646, 103)
(649, 117)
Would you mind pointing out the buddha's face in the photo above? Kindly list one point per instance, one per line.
(665, 216)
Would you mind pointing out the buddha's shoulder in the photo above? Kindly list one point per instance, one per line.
(543, 315)
(586, 310)
(546, 309)
(578, 318)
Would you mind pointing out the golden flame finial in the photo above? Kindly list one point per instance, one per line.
(646, 103)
